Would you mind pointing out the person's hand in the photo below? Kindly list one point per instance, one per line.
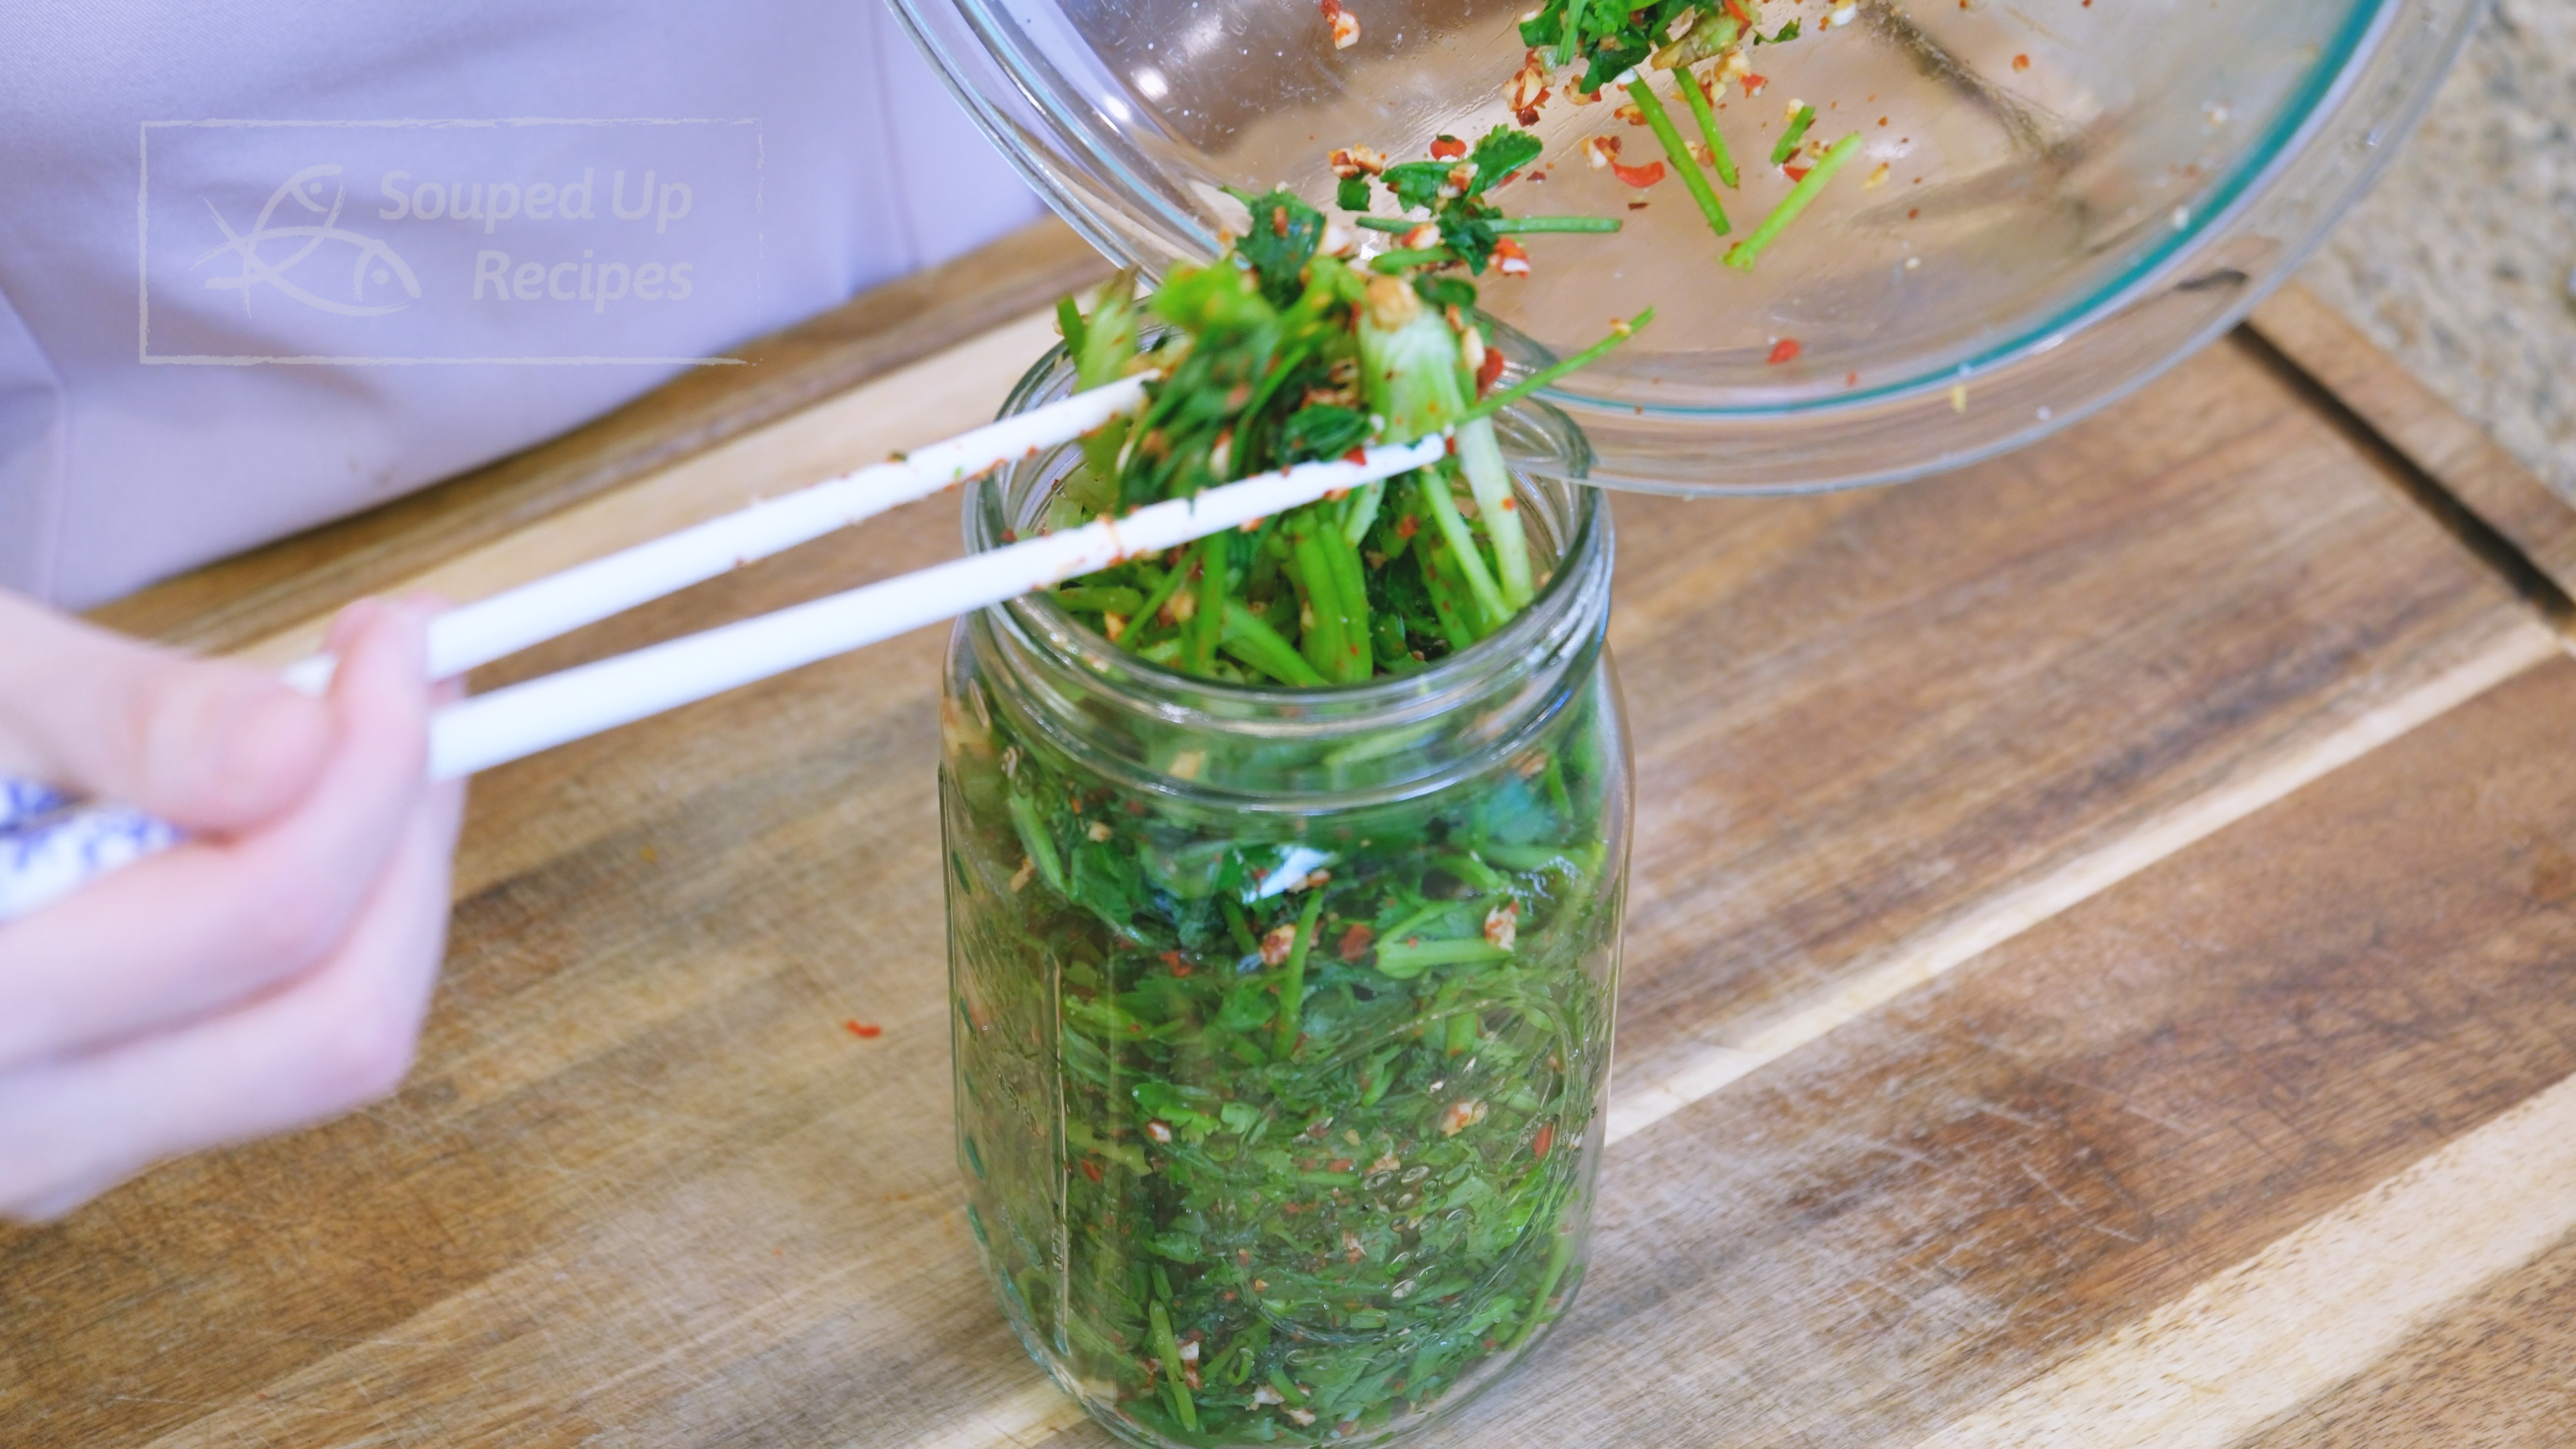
(270, 972)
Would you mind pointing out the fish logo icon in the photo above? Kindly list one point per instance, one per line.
(374, 265)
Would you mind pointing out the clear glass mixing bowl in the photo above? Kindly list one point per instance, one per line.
(2077, 193)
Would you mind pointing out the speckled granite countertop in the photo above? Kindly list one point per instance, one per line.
(2459, 261)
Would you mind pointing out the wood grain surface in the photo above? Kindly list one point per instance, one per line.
(2098, 974)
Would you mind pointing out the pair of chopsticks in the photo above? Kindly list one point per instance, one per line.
(49, 845)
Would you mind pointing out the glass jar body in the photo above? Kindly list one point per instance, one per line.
(1279, 1103)
(1380, 1197)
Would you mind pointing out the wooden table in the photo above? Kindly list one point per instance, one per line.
(2099, 971)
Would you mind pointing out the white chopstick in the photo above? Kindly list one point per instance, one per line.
(508, 724)
(49, 846)
(507, 622)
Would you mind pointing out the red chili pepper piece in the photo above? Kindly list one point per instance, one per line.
(1639, 176)
(1784, 350)
(1488, 372)
(1447, 148)
(1546, 1139)
(863, 1030)
(1796, 173)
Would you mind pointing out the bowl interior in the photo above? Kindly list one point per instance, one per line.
(2025, 168)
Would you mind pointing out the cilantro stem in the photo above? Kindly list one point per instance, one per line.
(1253, 642)
(1449, 599)
(1490, 613)
(1697, 99)
(1566, 42)
(1068, 320)
(1404, 960)
(1154, 602)
(1169, 1351)
(1363, 512)
(1033, 839)
(1507, 225)
(1395, 262)
(1292, 986)
(1789, 139)
(1714, 31)
(1480, 457)
(1321, 629)
(1109, 599)
(1661, 122)
(1226, 907)
(1532, 225)
(1741, 255)
(1621, 332)
(1558, 1257)
(1350, 593)
(1207, 621)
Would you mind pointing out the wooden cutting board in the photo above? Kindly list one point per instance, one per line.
(2099, 970)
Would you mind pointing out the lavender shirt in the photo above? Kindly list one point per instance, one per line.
(264, 264)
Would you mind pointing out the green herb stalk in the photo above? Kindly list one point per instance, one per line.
(1741, 256)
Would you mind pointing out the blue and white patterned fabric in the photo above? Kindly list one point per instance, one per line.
(50, 843)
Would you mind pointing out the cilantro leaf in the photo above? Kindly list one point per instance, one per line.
(1322, 431)
(1471, 236)
(1502, 152)
(1418, 183)
(1284, 234)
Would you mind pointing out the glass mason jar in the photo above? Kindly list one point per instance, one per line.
(1282, 1017)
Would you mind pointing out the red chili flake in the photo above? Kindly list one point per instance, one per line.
(1796, 173)
(2021, 62)
(1753, 84)
(1447, 148)
(1357, 454)
(1355, 941)
(1345, 26)
(863, 1030)
(1784, 350)
(1737, 10)
(1173, 960)
(1407, 526)
(1546, 1138)
(1912, 212)
(1639, 176)
(1091, 1170)
(1338, 1164)
(1851, 379)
